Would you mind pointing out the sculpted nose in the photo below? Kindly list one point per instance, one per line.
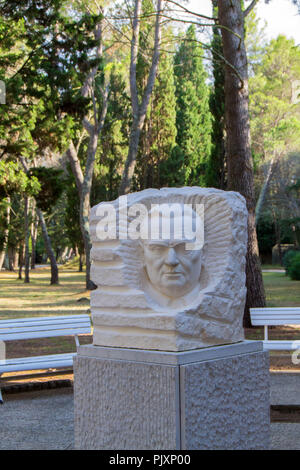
(171, 257)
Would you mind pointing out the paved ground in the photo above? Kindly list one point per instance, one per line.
(285, 388)
(285, 436)
(44, 419)
(37, 420)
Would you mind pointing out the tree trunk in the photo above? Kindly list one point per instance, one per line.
(11, 253)
(239, 158)
(21, 259)
(80, 266)
(84, 182)
(26, 227)
(6, 233)
(49, 250)
(47, 241)
(15, 258)
(34, 232)
(139, 110)
(134, 139)
(84, 187)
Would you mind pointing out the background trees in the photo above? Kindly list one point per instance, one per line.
(115, 98)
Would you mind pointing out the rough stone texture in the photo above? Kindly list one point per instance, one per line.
(222, 403)
(225, 403)
(127, 308)
(123, 405)
(40, 420)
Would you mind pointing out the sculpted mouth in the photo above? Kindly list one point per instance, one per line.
(173, 274)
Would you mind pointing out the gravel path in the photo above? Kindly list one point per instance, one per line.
(44, 419)
(41, 420)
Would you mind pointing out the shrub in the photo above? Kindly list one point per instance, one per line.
(288, 258)
(294, 268)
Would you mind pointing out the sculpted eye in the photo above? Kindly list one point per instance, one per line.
(156, 248)
(181, 249)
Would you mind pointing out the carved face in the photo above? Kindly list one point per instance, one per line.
(172, 269)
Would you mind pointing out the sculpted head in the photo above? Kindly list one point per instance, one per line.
(171, 267)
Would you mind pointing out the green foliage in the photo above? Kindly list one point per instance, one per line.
(45, 105)
(114, 141)
(193, 119)
(215, 175)
(159, 132)
(266, 234)
(16, 227)
(287, 260)
(274, 117)
(71, 213)
(294, 268)
(52, 184)
(14, 180)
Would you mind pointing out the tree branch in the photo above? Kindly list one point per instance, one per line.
(250, 7)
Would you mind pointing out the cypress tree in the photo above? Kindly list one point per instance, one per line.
(217, 164)
(193, 119)
(159, 133)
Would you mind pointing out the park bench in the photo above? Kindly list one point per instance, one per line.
(41, 327)
(273, 316)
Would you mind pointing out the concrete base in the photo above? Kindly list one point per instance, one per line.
(212, 398)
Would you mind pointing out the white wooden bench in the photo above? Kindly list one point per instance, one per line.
(42, 327)
(273, 316)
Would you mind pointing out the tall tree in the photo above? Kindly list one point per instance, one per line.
(275, 119)
(97, 88)
(215, 175)
(158, 137)
(239, 158)
(193, 119)
(139, 106)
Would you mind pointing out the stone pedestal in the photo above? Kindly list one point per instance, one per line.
(212, 398)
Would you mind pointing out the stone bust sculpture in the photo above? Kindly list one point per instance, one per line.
(168, 288)
(171, 270)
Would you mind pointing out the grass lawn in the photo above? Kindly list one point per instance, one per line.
(281, 291)
(39, 298)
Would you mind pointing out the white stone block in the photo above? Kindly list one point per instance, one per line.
(200, 292)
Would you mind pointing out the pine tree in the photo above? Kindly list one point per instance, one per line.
(193, 119)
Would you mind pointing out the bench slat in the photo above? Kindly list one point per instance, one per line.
(38, 362)
(16, 322)
(276, 309)
(275, 316)
(44, 327)
(281, 345)
(28, 329)
(44, 334)
(274, 322)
